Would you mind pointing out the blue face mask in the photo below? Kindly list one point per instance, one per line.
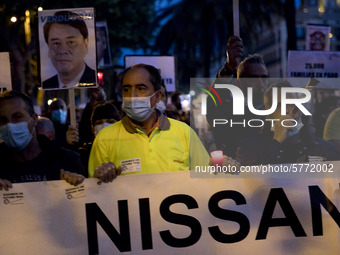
(295, 129)
(16, 135)
(138, 108)
(59, 116)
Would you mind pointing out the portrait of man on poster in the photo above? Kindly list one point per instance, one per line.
(66, 34)
(103, 45)
(317, 38)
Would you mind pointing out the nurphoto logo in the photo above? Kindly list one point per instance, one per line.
(239, 99)
(284, 98)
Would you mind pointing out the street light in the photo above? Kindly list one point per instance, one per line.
(14, 19)
(27, 25)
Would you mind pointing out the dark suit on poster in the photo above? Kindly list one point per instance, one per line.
(88, 77)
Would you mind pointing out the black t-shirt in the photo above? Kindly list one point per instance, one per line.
(38, 169)
(229, 134)
(45, 167)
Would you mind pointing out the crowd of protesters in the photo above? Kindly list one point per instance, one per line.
(47, 147)
(42, 148)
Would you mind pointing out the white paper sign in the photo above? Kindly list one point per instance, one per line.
(165, 63)
(131, 165)
(323, 65)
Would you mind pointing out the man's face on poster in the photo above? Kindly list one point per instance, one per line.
(67, 48)
(317, 41)
(101, 43)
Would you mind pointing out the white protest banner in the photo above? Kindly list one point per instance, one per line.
(171, 213)
(166, 64)
(317, 37)
(5, 72)
(323, 65)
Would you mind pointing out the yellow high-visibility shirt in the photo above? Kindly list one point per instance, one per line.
(331, 131)
(172, 146)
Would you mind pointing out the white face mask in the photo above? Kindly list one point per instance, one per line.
(161, 106)
(16, 135)
(99, 127)
(138, 108)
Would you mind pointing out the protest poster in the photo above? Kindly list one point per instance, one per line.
(317, 37)
(103, 45)
(166, 64)
(67, 48)
(322, 65)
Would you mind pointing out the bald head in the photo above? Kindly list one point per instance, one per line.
(45, 127)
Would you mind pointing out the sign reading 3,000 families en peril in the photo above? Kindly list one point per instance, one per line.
(67, 48)
(322, 65)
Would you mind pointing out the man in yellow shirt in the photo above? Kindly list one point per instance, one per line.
(144, 141)
(331, 131)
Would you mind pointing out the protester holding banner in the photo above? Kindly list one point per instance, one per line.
(25, 156)
(283, 143)
(144, 141)
(66, 34)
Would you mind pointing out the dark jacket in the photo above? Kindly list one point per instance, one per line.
(46, 166)
(227, 136)
(261, 148)
(88, 79)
